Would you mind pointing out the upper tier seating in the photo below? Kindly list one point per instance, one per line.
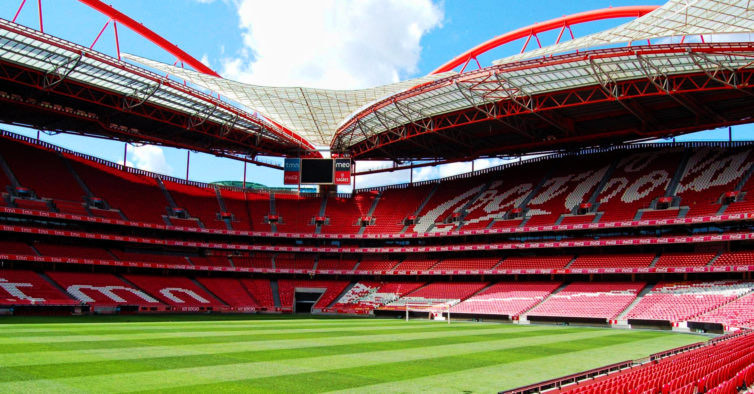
(589, 300)
(638, 179)
(296, 214)
(446, 201)
(571, 182)
(439, 293)
(199, 202)
(261, 291)
(671, 213)
(684, 259)
(179, 292)
(23, 287)
(230, 290)
(507, 190)
(48, 176)
(616, 261)
(709, 174)
(118, 188)
(248, 208)
(681, 301)
(343, 215)
(716, 368)
(366, 295)
(394, 206)
(101, 289)
(737, 313)
(509, 299)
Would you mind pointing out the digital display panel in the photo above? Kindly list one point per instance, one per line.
(317, 171)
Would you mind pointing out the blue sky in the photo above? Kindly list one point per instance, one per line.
(328, 43)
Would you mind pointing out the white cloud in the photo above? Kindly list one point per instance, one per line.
(338, 44)
(148, 158)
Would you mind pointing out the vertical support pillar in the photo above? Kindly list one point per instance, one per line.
(188, 163)
(125, 153)
(244, 175)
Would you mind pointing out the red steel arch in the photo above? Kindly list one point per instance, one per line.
(532, 30)
(149, 35)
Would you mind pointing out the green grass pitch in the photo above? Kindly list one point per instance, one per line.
(274, 354)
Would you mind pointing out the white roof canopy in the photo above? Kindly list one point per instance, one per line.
(314, 114)
(674, 18)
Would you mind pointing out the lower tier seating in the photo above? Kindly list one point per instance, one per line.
(589, 300)
(101, 289)
(23, 287)
(261, 291)
(721, 367)
(365, 296)
(509, 299)
(231, 291)
(178, 292)
(676, 302)
(438, 293)
(738, 313)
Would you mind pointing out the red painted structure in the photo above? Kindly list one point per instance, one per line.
(561, 23)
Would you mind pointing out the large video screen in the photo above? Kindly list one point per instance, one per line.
(317, 171)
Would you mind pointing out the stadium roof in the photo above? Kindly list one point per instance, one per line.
(315, 114)
(363, 122)
(676, 18)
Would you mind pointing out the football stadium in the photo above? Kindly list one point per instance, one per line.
(603, 249)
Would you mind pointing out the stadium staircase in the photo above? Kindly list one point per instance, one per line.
(421, 206)
(275, 293)
(522, 315)
(206, 290)
(463, 210)
(647, 288)
(55, 284)
(679, 172)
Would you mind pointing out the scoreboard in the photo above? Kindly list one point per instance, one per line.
(317, 171)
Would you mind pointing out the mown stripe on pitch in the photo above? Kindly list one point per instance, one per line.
(207, 331)
(165, 379)
(204, 337)
(110, 328)
(104, 354)
(52, 371)
(337, 379)
(507, 376)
